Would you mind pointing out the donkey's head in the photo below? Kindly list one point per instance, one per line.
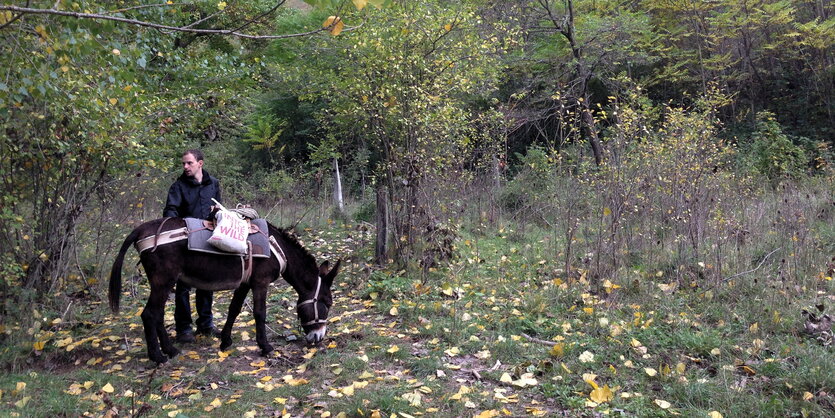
(313, 307)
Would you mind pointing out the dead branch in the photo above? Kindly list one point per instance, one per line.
(20, 11)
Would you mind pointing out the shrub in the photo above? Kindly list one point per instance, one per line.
(772, 153)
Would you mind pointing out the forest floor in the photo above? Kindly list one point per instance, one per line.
(501, 333)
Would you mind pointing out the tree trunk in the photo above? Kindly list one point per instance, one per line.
(381, 245)
(591, 132)
(337, 188)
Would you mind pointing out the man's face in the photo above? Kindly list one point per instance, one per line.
(191, 166)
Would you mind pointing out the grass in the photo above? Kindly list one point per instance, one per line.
(476, 337)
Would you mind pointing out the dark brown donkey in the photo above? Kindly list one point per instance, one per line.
(173, 261)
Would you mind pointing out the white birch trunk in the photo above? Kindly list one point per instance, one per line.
(337, 188)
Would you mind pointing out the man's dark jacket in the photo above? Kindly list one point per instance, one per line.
(188, 198)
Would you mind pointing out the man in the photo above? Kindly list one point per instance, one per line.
(191, 196)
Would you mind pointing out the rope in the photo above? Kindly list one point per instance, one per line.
(246, 211)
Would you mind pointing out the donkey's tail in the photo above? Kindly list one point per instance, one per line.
(115, 290)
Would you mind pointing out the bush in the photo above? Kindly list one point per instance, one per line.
(772, 154)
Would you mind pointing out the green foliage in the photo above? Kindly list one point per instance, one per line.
(88, 103)
(772, 153)
(389, 285)
(400, 86)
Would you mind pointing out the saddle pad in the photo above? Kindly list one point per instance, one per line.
(198, 238)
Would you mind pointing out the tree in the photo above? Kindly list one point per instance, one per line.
(86, 104)
(771, 55)
(401, 86)
(574, 51)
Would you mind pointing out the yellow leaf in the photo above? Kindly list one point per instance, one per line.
(41, 30)
(607, 211)
(492, 413)
(447, 289)
(297, 382)
(448, 27)
(463, 390)
(348, 390)
(393, 311)
(564, 367)
(413, 398)
(714, 414)
(650, 371)
(5, 17)
(377, 3)
(38, 345)
(334, 24)
(506, 378)
(20, 386)
(360, 4)
(525, 380)
(662, 404)
(22, 403)
(558, 350)
(393, 349)
(113, 101)
(807, 396)
(108, 388)
(280, 400)
(601, 395)
(748, 370)
(452, 352)
(216, 403)
(221, 5)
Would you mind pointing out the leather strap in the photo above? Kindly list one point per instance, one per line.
(314, 301)
(279, 254)
(161, 238)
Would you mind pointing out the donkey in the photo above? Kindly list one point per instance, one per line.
(171, 260)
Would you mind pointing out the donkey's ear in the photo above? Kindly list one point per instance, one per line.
(324, 268)
(328, 275)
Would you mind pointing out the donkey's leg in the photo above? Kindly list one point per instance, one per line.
(153, 322)
(259, 308)
(234, 309)
(165, 341)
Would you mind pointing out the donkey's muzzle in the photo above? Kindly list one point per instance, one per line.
(317, 335)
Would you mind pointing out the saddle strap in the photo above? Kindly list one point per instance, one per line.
(161, 238)
(246, 263)
(279, 254)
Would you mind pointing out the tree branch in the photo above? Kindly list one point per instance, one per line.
(144, 6)
(95, 16)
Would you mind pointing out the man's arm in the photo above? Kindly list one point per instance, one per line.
(173, 202)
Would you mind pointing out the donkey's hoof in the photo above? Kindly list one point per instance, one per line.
(266, 350)
(225, 343)
(160, 359)
(173, 352)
